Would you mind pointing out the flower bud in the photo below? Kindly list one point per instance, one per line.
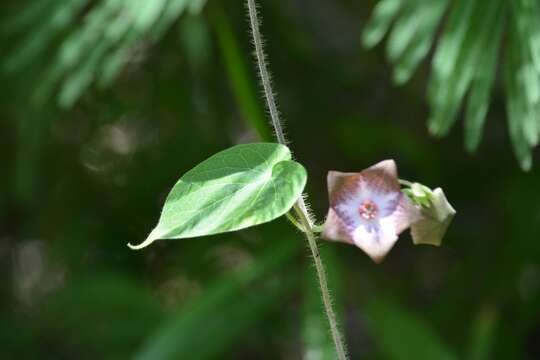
(436, 214)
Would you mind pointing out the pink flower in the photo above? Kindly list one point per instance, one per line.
(368, 209)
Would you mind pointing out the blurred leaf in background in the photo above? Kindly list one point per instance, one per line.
(464, 65)
(402, 336)
(86, 41)
(225, 310)
(107, 103)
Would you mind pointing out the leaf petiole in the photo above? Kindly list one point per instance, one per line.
(316, 228)
(295, 222)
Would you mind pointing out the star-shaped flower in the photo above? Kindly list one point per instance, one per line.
(368, 209)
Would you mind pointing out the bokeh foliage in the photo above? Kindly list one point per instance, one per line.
(85, 41)
(82, 178)
(474, 35)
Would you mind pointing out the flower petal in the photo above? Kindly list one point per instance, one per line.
(386, 166)
(376, 241)
(335, 180)
(406, 214)
(334, 229)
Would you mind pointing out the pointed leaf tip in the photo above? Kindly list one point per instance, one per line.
(149, 240)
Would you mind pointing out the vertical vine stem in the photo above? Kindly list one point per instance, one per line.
(327, 301)
(300, 208)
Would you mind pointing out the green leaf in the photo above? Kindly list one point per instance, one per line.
(466, 60)
(88, 41)
(522, 75)
(236, 188)
(410, 40)
(383, 15)
(41, 35)
(483, 79)
(457, 58)
(403, 336)
(516, 104)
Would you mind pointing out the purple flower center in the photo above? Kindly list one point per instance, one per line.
(368, 210)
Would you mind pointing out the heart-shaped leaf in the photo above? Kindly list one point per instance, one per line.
(236, 188)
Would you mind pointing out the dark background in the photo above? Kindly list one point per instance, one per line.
(77, 183)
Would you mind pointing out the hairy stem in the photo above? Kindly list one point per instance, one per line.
(300, 208)
(295, 222)
(327, 301)
(263, 73)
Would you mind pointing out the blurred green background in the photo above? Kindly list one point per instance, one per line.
(105, 104)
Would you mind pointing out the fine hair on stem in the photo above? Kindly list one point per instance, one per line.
(300, 209)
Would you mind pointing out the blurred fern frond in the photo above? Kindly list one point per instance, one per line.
(77, 43)
(464, 65)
